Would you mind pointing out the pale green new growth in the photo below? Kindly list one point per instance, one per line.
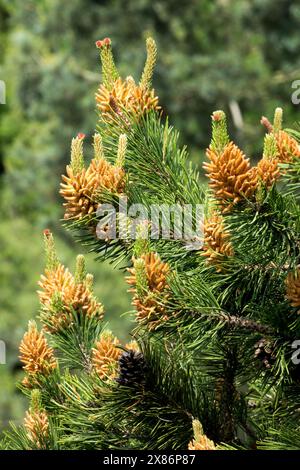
(77, 159)
(220, 136)
(109, 70)
(35, 401)
(277, 124)
(146, 79)
(141, 245)
(52, 261)
(121, 151)
(89, 281)
(80, 273)
(270, 146)
(57, 304)
(141, 277)
(98, 147)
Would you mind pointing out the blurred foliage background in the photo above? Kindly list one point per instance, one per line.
(237, 55)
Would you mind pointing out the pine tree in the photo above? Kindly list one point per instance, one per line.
(211, 364)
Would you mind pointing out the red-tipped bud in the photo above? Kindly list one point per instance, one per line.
(218, 116)
(105, 42)
(265, 122)
(80, 135)
(47, 232)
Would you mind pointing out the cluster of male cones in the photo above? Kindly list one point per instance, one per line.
(117, 101)
(36, 422)
(234, 182)
(82, 187)
(110, 361)
(231, 178)
(63, 294)
(148, 282)
(65, 297)
(125, 98)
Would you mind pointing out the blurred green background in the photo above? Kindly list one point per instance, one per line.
(237, 55)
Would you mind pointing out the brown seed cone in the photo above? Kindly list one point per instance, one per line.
(216, 242)
(37, 426)
(231, 177)
(35, 354)
(105, 356)
(293, 288)
(126, 96)
(287, 147)
(150, 306)
(268, 171)
(264, 351)
(80, 190)
(72, 297)
(203, 443)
